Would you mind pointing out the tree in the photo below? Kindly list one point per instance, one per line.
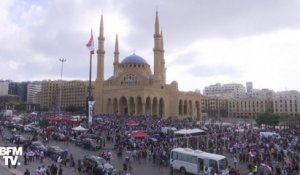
(267, 119)
(21, 107)
(44, 123)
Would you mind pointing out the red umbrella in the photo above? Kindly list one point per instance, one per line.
(53, 119)
(140, 135)
(132, 123)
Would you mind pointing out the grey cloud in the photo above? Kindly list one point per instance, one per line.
(183, 22)
(215, 70)
(184, 59)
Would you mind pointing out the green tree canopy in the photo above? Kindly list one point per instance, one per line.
(268, 119)
(44, 123)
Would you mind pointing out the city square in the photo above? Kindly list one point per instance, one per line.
(221, 138)
(139, 90)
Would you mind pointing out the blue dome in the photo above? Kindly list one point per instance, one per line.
(134, 59)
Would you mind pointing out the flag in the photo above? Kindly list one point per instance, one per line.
(90, 44)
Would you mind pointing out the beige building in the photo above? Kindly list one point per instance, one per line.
(214, 106)
(33, 92)
(134, 90)
(49, 92)
(64, 93)
(287, 102)
(249, 107)
(232, 90)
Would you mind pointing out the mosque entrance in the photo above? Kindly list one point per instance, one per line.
(125, 111)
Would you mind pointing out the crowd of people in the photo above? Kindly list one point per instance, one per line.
(240, 141)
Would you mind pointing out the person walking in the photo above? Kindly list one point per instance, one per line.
(26, 172)
(42, 156)
(25, 158)
(60, 171)
(235, 161)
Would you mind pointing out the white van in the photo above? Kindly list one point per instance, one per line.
(165, 130)
(269, 134)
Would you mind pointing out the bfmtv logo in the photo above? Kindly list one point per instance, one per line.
(10, 155)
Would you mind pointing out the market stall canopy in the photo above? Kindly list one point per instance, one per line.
(79, 128)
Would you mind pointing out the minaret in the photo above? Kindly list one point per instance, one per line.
(101, 53)
(116, 53)
(163, 67)
(157, 50)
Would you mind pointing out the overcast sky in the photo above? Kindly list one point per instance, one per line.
(206, 41)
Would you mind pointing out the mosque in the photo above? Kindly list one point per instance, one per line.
(134, 90)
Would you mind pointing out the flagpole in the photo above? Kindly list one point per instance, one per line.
(90, 101)
(90, 106)
(90, 81)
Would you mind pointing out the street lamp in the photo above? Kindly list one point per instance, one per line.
(62, 60)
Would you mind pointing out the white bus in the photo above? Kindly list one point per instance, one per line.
(196, 162)
(189, 132)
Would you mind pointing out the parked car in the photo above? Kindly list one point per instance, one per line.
(19, 127)
(92, 136)
(54, 152)
(51, 129)
(9, 124)
(36, 145)
(59, 136)
(27, 129)
(89, 143)
(36, 129)
(99, 162)
(19, 139)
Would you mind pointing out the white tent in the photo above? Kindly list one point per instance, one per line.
(189, 131)
(79, 128)
(33, 113)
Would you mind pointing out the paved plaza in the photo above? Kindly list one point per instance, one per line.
(145, 167)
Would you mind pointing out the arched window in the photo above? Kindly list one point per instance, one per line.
(129, 79)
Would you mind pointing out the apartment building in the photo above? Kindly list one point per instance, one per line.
(287, 102)
(64, 93)
(4, 87)
(249, 107)
(33, 92)
(214, 106)
(232, 90)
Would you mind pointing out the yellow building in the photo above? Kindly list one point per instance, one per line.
(65, 94)
(214, 106)
(249, 107)
(49, 91)
(134, 90)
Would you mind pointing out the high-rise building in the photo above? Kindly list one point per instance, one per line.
(64, 94)
(4, 87)
(249, 87)
(75, 93)
(49, 94)
(19, 89)
(33, 91)
(232, 90)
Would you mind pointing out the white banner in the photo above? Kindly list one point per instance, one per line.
(91, 105)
